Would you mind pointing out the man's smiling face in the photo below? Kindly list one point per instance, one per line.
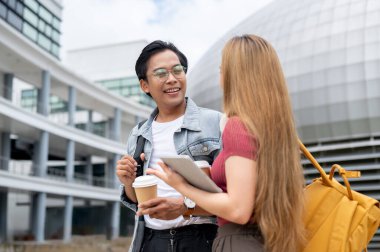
(167, 92)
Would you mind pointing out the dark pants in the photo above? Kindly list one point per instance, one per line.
(189, 238)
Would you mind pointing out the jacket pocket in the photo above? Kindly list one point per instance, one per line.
(204, 148)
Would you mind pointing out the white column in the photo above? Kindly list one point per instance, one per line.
(116, 125)
(111, 171)
(68, 219)
(68, 211)
(40, 161)
(71, 105)
(70, 157)
(89, 122)
(43, 106)
(41, 154)
(39, 216)
(114, 220)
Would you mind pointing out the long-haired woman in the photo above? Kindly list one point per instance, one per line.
(259, 168)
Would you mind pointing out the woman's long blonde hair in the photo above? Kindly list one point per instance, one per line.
(255, 90)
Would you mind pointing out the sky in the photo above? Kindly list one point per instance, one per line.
(192, 25)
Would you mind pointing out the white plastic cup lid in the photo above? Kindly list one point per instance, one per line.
(202, 164)
(144, 181)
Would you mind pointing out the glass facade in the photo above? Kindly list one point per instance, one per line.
(128, 87)
(34, 21)
(98, 128)
(29, 99)
(29, 102)
(57, 105)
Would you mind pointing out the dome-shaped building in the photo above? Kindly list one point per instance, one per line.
(330, 53)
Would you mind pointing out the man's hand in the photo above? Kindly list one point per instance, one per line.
(163, 208)
(126, 169)
(126, 172)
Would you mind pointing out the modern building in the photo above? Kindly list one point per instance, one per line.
(113, 67)
(38, 21)
(109, 66)
(330, 52)
(56, 178)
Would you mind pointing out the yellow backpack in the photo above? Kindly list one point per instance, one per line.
(337, 218)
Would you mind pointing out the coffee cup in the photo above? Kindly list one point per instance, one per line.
(204, 166)
(145, 188)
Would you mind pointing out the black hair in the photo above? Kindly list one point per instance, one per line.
(153, 48)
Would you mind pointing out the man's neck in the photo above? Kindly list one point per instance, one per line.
(170, 114)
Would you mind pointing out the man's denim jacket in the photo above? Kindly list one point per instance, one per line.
(199, 137)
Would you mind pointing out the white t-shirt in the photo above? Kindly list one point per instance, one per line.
(163, 144)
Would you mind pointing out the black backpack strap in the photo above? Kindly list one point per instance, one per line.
(140, 168)
(139, 149)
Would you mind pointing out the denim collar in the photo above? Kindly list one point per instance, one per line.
(190, 119)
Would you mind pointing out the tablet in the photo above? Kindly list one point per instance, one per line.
(185, 166)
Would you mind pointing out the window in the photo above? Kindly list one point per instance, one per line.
(3, 10)
(46, 15)
(125, 92)
(81, 126)
(54, 99)
(57, 105)
(112, 84)
(29, 93)
(28, 99)
(56, 23)
(30, 32)
(30, 17)
(123, 82)
(32, 4)
(55, 49)
(99, 128)
(56, 36)
(12, 4)
(135, 90)
(48, 30)
(132, 81)
(127, 87)
(14, 20)
(44, 42)
(41, 25)
(19, 8)
(34, 21)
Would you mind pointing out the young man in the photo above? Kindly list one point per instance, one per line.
(176, 126)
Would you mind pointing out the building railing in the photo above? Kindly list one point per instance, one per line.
(30, 168)
(81, 116)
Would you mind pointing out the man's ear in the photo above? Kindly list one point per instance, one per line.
(144, 86)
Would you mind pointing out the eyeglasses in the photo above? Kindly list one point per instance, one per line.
(162, 74)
